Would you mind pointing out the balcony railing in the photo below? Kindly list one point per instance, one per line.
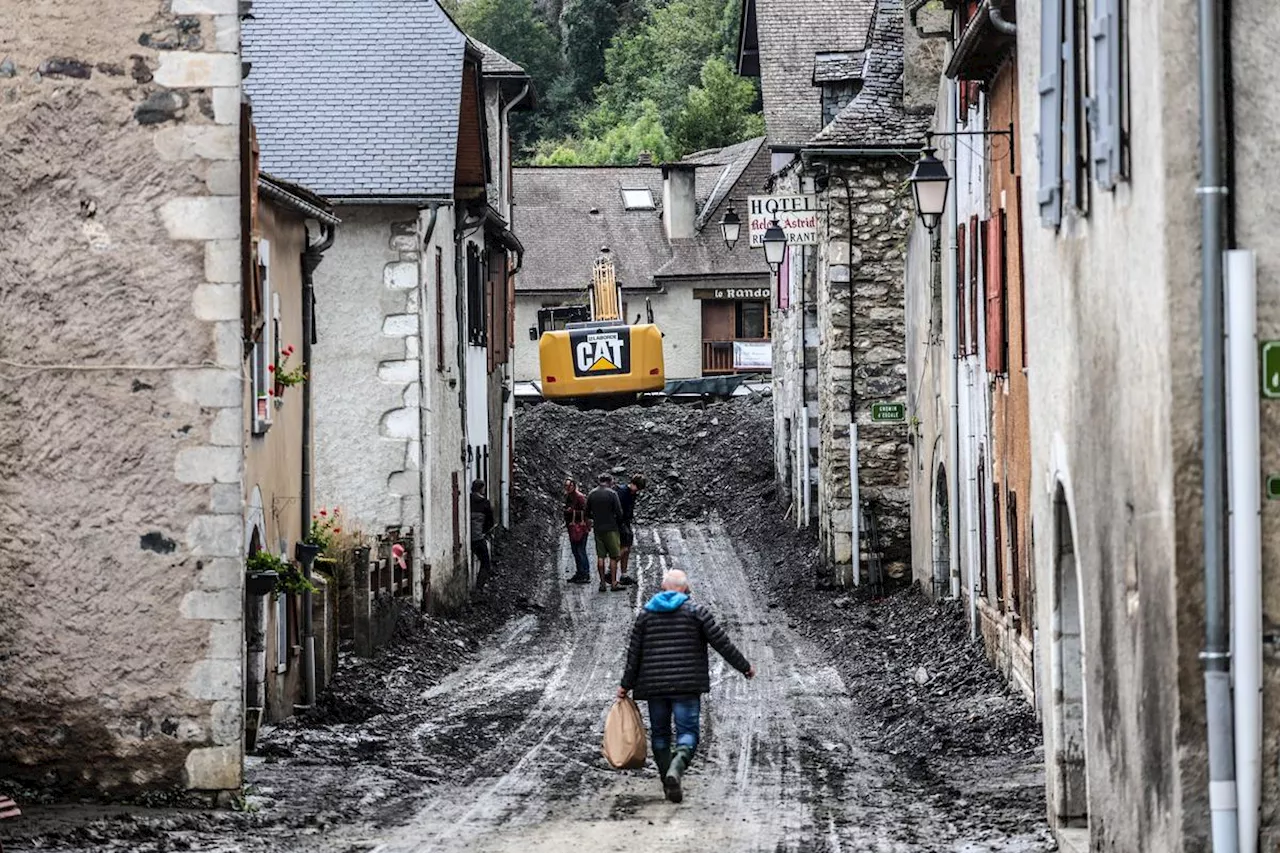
(717, 357)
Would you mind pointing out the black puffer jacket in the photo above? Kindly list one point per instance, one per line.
(668, 652)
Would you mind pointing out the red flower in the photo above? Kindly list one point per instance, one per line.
(324, 512)
(288, 350)
(271, 368)
(271, 392)
(337, 530)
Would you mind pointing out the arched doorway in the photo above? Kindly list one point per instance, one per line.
(1071, 791)
(941, 535)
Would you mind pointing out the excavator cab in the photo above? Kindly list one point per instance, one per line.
(601, 355)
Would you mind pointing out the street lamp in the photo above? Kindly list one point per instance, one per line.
(929, 182)
(730, 225)
(775, 244)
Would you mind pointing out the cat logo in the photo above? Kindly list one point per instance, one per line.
(601, 353)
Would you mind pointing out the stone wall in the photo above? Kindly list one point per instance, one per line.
(121, 627)
(881, 216)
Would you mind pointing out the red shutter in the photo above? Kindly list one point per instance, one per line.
(962, 283)
(997, 361)
(975, 296)
(1022, 276)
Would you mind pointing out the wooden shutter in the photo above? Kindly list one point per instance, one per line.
(1105, 107)
(975, 293)
(962, 284)
(1022, 272)
(997, 361)
(1049, 145)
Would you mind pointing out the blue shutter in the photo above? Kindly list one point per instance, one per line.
(1071, 172)
(1049, 142)
(1105, 107)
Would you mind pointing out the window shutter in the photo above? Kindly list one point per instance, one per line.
(997, 361)
(962, 284)
(975, 262)
(1105, 112)
(1049, 194)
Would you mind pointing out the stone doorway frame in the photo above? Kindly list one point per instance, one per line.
(941, 534)
(1068, 706)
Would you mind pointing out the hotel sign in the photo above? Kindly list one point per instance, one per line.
(796, 214)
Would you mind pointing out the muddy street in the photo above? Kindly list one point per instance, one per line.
(482, 732)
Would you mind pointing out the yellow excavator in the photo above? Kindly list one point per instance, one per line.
(591, 351)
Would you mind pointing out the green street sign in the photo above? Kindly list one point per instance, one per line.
(1271, 369)
(888, 412)
(1273, 487)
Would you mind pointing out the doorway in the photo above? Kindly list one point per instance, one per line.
(941, 536)
(1071, 791)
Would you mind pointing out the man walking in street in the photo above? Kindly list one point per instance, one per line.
(626, 535)
(605, 514)
(667, 665)
(481, 527)
(577, 526)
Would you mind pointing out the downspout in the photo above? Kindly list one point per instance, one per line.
(855, 497)
(504, 145)
(953, 368)
(311, 257)
(998, 21)
(424, 404)
(1216, 656)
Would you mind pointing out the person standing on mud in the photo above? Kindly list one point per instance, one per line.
(604, 511)
(481, 526)
(626, 535)
(575, 523)
(667, 665)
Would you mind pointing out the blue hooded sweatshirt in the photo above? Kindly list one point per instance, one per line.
(666, 601)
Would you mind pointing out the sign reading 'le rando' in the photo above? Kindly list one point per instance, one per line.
(796, 214)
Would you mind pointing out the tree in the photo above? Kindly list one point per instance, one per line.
(619, 144)
(589, 27)
(720, 112)
(513, 28)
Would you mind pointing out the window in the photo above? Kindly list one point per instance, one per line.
(263, 356)
(439, 310)
(1075, 81)
(1109, 104)
(1049, 140)
(751, 319)
(637, 199)
(975, 290)
(476, 328)
(997, 285)
(1063, 142)
(282, 632)
(962, 284)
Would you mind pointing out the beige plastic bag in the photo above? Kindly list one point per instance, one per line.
(624, 744)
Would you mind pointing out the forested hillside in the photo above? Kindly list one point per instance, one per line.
(619, 77)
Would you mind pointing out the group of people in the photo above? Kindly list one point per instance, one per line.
(667, 660)
(608, 513)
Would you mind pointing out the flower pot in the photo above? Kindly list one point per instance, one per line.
(305, 552)
(260, 583)
(328, 565)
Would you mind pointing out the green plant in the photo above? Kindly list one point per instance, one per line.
(325, 525)
(265, 561)
(291, 580)
(286, 378)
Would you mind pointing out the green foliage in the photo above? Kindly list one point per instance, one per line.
(264, 561)
(719, 112)
(618, 143)
(513, 28)
(292, 581)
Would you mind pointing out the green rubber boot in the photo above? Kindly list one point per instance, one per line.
(681, 757)
(662, 757)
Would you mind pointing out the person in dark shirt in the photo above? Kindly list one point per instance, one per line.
(481, 527)
(626, 535)
(577, 526)
(605, 514)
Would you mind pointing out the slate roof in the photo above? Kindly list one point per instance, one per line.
(838, 65)
(356, 98)
(494, 63)
(790, 35)
(562, 236)
(876, 118)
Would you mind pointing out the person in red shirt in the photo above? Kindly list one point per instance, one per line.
(577, 525)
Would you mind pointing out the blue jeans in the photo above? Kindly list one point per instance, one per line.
(685, 709)
(580, 558)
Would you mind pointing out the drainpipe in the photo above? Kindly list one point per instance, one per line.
(504, 138)
(425, 421)
(998, 21)
(953, 366)
(1246, 537)
(311, 257)
(1216, 656)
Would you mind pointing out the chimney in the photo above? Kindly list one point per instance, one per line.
(644, 158)
(679, 201)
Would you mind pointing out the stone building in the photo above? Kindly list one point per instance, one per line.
(661, 226)
(393, 123)
(121, 470)
(841, 131)
(1113, 258)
